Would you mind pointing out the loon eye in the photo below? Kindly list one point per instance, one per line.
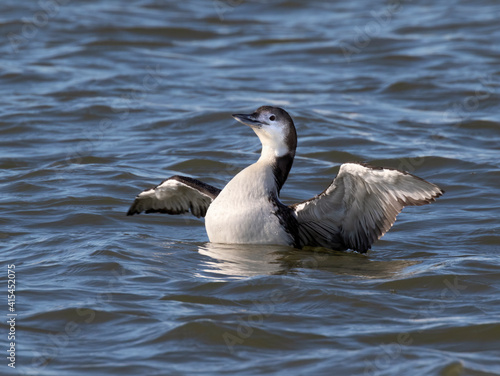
(272, 118)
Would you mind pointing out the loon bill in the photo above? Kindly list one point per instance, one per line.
(359, 206)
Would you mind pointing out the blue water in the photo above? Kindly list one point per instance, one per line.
(101, 100)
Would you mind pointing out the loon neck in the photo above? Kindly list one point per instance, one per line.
(280, 163)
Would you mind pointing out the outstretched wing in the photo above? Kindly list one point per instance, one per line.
(176, 195)
(360, 206)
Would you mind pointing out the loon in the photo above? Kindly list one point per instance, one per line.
(357, 208)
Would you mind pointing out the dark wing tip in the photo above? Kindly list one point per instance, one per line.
(438, 194)
(431, 198)
(133, 209)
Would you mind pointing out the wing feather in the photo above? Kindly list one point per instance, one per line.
(359, 206)
(175, 195)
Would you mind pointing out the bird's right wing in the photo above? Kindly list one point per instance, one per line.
(359, 206)
(176, 195)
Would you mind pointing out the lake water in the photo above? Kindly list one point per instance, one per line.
(102, 99)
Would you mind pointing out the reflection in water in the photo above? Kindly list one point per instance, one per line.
(240, 261)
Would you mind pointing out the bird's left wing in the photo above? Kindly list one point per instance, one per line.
(359, 206)
(176, 195)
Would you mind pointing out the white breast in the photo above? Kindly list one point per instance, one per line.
(243, 213)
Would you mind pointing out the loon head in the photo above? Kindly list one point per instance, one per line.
(275, 129)
(276, 132)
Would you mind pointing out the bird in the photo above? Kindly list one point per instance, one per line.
(358, 207)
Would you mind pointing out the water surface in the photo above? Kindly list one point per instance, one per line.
(102, 99)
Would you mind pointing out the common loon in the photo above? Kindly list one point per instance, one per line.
(357, 208)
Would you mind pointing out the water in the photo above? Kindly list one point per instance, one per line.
(102, 99)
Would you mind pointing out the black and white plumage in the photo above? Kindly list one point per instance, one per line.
(176, 195)
(359, 206)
